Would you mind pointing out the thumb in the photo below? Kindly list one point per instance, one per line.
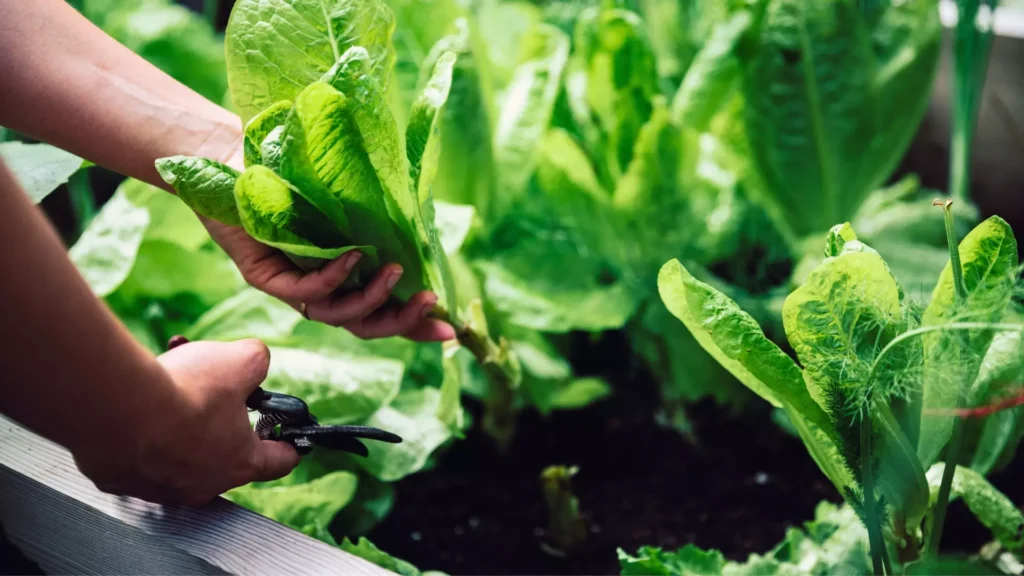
(246, 363)
(273, 460)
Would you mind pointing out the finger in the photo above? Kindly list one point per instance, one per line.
(392, 322)
(273, 460)
(355, 306)
(283, 280)
(430, 330)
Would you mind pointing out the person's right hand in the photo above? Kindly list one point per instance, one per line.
(203, 444)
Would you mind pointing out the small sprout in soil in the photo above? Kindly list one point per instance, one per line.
(566, 528)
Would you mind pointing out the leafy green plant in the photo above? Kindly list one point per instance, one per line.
(655, 144)
(327, 170)
(875, 367)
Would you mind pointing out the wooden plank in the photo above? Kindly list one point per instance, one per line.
(62, 522)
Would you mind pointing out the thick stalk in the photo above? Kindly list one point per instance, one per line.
(953, 449)
(875, 541)
(499, 417)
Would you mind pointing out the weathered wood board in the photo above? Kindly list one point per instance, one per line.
(62, 522)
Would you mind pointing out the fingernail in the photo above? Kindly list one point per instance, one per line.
(352, 260)
(393, 278)
(428, 305)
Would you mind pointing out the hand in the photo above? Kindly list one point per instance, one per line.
(359, 312)
(203, 444)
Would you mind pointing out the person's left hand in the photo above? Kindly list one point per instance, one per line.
(360, 312)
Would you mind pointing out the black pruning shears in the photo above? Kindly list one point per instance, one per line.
(299, 427)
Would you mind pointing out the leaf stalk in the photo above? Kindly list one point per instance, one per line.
(956, 439)
(501, 371)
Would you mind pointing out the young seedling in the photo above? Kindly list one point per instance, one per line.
(566, 528)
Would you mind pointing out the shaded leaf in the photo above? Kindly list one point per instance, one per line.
(39, 168)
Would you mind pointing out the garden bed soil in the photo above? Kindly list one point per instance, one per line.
(736, 490)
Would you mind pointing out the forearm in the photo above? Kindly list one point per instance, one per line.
(69, 84)
(69, 370)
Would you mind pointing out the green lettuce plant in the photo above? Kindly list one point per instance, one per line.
(876, 372)
(327, 168)
(668, 144)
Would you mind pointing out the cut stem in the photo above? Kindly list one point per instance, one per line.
(956, 439)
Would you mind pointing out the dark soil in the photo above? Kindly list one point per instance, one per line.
(481, 512)
(736, 490)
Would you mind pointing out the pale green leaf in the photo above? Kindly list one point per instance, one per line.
(326, 154)
(838, 321)
(248, 314)
(423, 147)
(733, 338)
(712, 76)
(540, 298)
(449, 407)
(259, 127)
(274, 213)
(367, 551)
(413, 416)
(579, 393)
(381, 140)
(206, 186)
(988, 258)
(466, 172)
(526, 109)
(339, 388)
(655, 192)
(39, 168)
(275, 48)
(620, 81)
(164, 269)
(307, 507)
(106, 252)
(454, 222)
(907, 42)
(170, 220)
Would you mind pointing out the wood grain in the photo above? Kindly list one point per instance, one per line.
(62, 522)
